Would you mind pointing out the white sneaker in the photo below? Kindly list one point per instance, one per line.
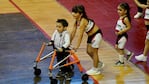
(93, 71)
(100, 65)
(138, 15)
(141, 58)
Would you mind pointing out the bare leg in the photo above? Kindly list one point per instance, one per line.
(146, 48)
(95, 57)
(89, 51)
(93, 53)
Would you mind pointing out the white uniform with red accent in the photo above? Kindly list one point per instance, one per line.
(96, 40)
(119, 27)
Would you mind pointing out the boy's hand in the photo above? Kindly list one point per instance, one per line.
(49, 43)
(60, 49)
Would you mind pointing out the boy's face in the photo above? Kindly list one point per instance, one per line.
(59, 27)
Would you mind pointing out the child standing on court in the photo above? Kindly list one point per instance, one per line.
(122, 27)
(61, 41)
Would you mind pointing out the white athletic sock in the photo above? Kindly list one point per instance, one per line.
(121, 58)
(127, 52)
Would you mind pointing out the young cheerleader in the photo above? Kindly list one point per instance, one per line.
(122, 27)
(84, 24)
(143, 57)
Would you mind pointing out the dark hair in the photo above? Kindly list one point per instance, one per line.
(63, 22)
(80, 9)
(126, 7)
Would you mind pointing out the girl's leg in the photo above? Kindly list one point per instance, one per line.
(128, 54)
(92, 50)
(121, 55)
(89, 51)
(120, 49)
(143, 57)
(95, 57)
(146, 48)
(93, 53)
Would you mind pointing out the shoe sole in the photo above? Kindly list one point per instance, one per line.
(140, 60)
(119, 65)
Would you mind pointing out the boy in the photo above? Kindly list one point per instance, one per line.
(61, 41)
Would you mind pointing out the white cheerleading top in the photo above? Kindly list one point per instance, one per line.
(120, 25)
(89, 26)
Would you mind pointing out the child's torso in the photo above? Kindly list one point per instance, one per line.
(120, 24)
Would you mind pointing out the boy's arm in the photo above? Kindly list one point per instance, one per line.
(51, 42)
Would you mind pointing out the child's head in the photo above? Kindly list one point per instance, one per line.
(61, 25)
(79, 11)
(124, 9)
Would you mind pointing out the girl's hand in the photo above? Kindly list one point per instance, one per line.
(75, 49)
(144, 6)
(118, 33)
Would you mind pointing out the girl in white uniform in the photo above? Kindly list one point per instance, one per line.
(84, 24)
(122, 27)
(143, 56)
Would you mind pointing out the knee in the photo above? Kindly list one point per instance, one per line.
(88, 52)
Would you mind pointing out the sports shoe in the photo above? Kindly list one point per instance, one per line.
(141, 58)
(93, 71)
(130, 56)
(138, 15)
(119, 63)
(100, 65)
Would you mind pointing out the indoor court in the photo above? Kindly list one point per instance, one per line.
(26, 24)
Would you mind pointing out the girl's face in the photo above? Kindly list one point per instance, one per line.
(77, 15)
(121, 11)
(59, 27)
